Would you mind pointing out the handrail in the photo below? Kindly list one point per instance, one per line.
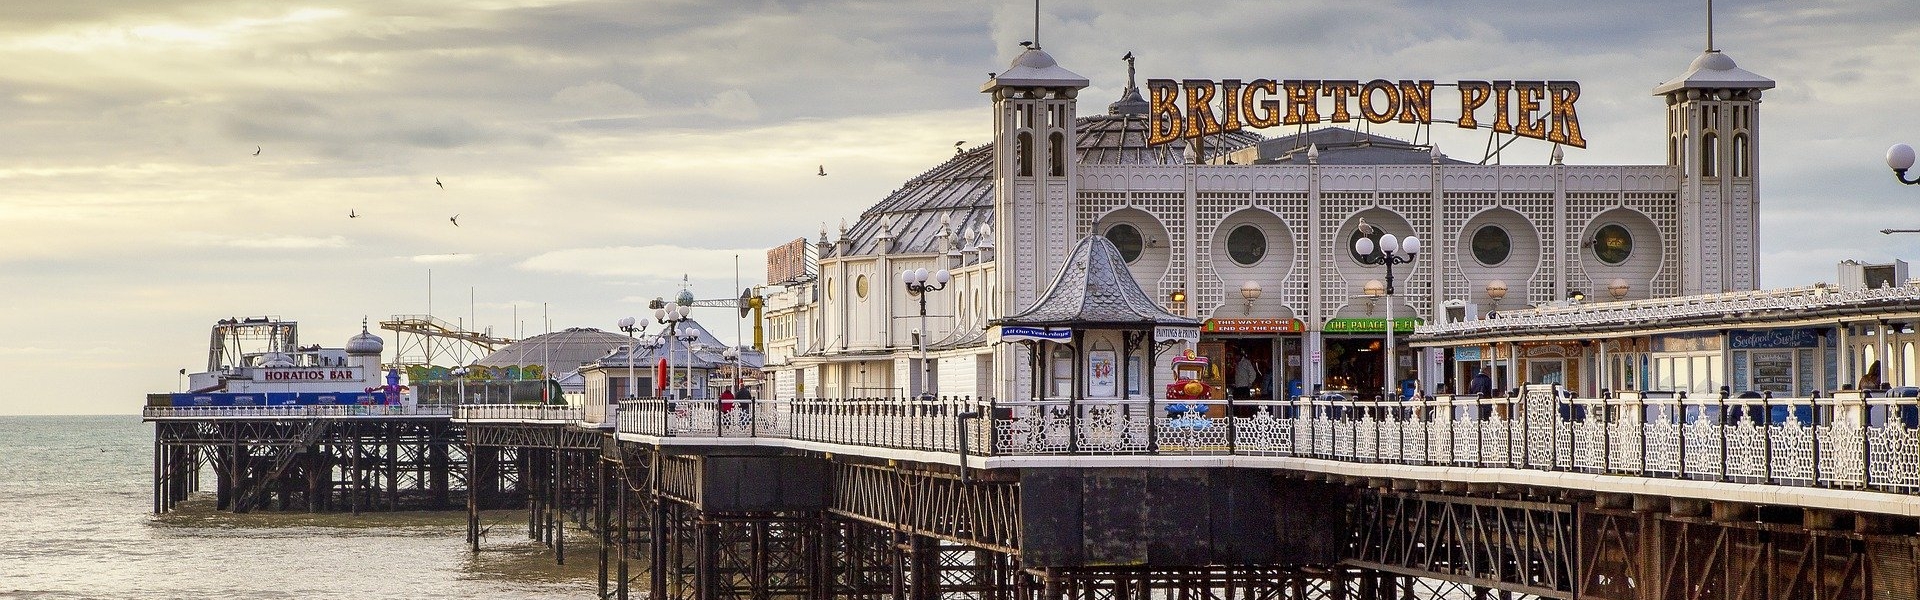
(320, 410)
(1847, 442)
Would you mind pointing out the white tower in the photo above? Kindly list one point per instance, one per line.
(1713, 136)
(1033, 175)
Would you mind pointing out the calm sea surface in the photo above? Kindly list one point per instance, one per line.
(76, 522)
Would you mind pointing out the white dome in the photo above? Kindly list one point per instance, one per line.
(276, 360)
(1714, 61)
(365, 343)
(1034, 58)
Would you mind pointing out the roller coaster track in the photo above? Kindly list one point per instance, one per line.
(423, 339)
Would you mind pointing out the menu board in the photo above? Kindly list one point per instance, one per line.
(1773, 370)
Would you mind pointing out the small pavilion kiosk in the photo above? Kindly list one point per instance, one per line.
(1093, 388)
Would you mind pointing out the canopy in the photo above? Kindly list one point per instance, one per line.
(1094, 290)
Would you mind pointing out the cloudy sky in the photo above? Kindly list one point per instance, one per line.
(596, 150)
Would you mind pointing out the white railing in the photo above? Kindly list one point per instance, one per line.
(324, 410)
(1656, 310)
(1846, 442)
(519, 412)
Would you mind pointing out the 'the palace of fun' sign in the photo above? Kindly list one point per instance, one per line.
(1534, 109)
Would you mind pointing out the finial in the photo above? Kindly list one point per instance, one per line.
(1559, 155)
(1313, 153)
(1129, 59)
(1434, 152)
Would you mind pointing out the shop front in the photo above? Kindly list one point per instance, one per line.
(1253, 358)
(1355, 355)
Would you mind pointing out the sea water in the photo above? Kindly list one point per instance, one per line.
(76, 522)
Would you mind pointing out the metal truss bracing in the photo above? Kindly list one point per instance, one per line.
(1512, 545)
(534, 435)
(1642, 556)
(311, 464)
(983, 513)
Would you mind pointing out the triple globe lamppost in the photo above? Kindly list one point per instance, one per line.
(1389, 251)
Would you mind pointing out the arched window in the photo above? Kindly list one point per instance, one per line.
(1023, 154)
(1741, 156)
(1709, 154)
(1057, 155)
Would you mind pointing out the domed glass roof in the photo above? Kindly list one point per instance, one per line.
(562, 351)
(956, 197)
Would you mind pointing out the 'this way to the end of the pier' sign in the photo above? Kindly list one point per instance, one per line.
(1534, 109)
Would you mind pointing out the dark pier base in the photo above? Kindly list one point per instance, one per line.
(323, 465)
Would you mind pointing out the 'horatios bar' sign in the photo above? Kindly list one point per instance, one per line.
(1534, 109)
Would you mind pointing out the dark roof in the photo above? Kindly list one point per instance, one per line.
(1339, 146)
(706, 358)
(561, 350)
(1095, 290)
(957, 195)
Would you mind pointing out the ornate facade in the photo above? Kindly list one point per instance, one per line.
(1255, 239)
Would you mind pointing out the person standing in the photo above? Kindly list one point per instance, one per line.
(1482, 384)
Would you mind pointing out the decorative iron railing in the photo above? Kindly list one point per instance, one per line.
(519, 412)
(1851, 441)
(328, 410)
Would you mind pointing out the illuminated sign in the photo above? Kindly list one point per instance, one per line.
(1370, 325)
(1533, 109)
(1253, 326)
(308, 374)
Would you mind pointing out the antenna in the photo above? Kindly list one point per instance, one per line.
(1709, 25)
(1036, 23)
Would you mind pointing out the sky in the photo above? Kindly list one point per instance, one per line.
(596, 151)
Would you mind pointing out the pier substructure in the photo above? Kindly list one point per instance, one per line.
(554, 474)
(313, 464)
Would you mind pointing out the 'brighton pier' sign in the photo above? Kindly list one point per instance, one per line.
(1533, 109)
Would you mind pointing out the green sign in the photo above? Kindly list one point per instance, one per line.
(1370, 325)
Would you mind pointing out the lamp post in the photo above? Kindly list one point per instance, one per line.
(919, 283)
(632, 327)
(1900, 158)
(687, 338)
(1393, 251)
(732, 356)
(670, 315)
(460, 374)
(651, 345)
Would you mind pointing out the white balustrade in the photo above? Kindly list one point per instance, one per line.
(306, 411)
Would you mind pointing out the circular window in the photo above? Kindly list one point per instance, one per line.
(1612, 244)
(1351, 251)
(860, 286)
(1127, 239)
(1246, 245)
(1491, 245)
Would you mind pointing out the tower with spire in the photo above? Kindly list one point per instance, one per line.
(1713, 138)
(1034, 156)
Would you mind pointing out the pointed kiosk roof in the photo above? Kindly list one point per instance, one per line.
(1095, 291)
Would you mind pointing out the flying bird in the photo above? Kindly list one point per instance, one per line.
(455, 220)
(823, 170)
(256, 150)
(352, 215)
(436, 181)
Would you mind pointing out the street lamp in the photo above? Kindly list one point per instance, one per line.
(670, 315)
(732, 356)
(1900, 158)
(919, 283)
(1393, 251)
(1250, 291)
(633, 328)
(651, 344)
(460, 375)
(687, 338)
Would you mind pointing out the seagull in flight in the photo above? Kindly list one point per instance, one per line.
(823, 170)
(436, 181)
(352, 215)
(455, 219)
(256, 150)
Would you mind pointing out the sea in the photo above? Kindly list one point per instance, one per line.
(76, 521)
